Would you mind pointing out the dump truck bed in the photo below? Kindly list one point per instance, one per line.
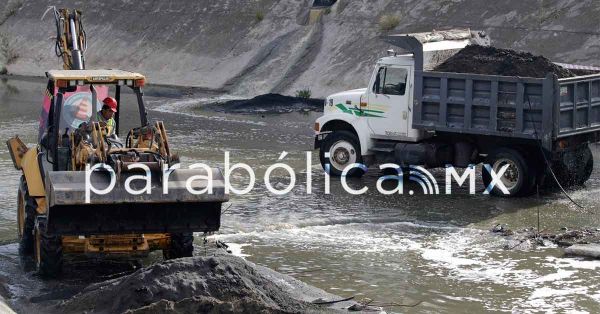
(530, 108)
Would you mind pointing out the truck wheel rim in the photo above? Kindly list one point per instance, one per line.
(342, 154)
(510, 177)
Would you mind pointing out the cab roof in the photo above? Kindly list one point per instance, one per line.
(94, 76)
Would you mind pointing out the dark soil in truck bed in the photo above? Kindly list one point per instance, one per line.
(496, 61)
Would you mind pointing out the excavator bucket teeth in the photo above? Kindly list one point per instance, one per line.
(119, 211)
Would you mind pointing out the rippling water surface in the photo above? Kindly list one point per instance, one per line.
(401, 248)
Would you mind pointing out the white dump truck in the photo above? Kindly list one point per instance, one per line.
(410, 115)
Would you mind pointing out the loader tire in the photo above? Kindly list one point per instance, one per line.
(182, 245)
(25, 219)
(48, 253)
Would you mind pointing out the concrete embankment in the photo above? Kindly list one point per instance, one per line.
(4, 293)
(248, 47)
(4, 308)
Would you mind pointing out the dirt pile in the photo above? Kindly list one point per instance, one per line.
(496, 61)
(216, 284)
(268, 103)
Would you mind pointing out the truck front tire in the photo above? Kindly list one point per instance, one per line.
(519, 178)
(343, 149)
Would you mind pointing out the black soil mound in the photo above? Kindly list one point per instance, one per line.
(495, 61)
(324, 3)
(268, 103)
(218, 284)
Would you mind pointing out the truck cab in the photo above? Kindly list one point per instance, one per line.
(382, 110)
(389, 100)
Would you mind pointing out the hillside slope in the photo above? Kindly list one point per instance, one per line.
(249, 47)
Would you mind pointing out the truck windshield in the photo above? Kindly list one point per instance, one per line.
(391, 81)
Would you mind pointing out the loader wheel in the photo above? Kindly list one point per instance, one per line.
(519, 177)
(48, 250)
(344, 149)
(182, 245)
(25, 219)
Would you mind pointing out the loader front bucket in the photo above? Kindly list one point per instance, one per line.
(119, 211)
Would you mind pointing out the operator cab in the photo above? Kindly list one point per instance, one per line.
(72, 101)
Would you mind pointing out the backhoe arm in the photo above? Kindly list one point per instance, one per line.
(70, 38)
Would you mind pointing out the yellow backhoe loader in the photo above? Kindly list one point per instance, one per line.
(58, 212)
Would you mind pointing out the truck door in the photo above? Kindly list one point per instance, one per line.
(388, 110)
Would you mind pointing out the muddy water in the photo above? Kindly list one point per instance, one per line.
(401, 248)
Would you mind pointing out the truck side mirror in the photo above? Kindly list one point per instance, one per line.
(376, 84)
(380, 75)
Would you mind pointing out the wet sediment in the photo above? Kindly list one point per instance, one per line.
(530, 237)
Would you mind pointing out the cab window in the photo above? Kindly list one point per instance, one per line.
(391, 81)
(77, 106)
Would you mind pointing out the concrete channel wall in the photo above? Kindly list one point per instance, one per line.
(249, 47)
(4, 308)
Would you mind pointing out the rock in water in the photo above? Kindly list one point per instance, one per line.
(221, 283)
(586, 250)
(496, 61)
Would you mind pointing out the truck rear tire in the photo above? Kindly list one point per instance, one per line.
(573, 167)
(586, 166)
(344, 149)
(25, 219)
(182, 245)
(48, 253)
(519, 178)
